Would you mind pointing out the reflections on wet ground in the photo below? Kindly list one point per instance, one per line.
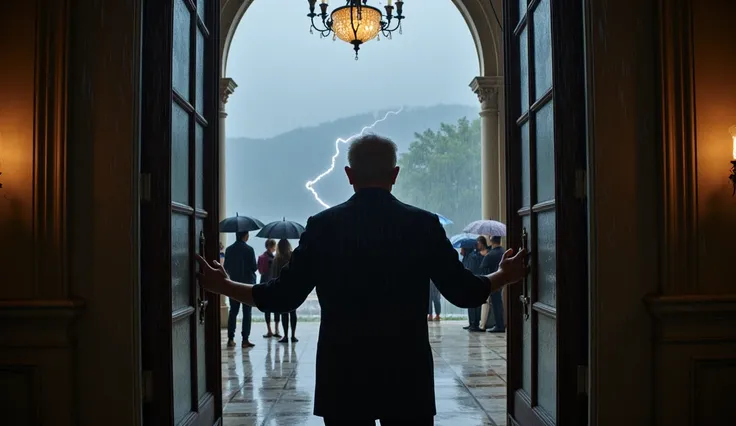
(273, 383)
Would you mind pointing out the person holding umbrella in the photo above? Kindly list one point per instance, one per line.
(284, 230)
(283, 256)
(265, 262)
(240, 264)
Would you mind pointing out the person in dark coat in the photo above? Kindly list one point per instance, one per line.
(367, 367)
(471, 261)
(489, 265)
(283, 256)
(240, 264)
(265, 260)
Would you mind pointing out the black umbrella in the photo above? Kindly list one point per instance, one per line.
(282, 229)
(240, 224)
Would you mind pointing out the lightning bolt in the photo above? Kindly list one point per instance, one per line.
(310, 184)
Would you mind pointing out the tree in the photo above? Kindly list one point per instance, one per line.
(441, 172)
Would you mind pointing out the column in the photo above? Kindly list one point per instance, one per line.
(488, 90)
(501, 156)
(227, 87)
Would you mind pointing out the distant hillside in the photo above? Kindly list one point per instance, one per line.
(266, 177)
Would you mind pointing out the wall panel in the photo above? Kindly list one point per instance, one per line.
(17, 41)
(37, 312)
(695, 312)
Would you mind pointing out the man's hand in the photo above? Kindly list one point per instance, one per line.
(211, 278)
(513, 269)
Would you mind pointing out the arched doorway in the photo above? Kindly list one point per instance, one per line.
(483, 19)
(487, 85)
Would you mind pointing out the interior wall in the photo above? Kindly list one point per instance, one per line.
(661, 98)
(715, 111)
(69, 85)
(695, 315)
(36, 307)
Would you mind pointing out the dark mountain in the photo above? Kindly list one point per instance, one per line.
(266, 177)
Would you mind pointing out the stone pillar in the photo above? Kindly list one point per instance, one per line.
(488, 90)
(227, 87)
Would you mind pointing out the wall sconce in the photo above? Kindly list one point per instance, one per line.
(732, 130)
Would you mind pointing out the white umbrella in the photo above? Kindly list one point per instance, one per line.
(486, 227)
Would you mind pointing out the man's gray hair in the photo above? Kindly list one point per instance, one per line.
(372, 158)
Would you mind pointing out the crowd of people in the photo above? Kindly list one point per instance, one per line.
(240, 262)
(484, 260)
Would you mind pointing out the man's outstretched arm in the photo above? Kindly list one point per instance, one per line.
(214, 279)
(283, 294)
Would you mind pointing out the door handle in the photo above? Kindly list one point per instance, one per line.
(202, 301)
(524, 298)
(202, 309)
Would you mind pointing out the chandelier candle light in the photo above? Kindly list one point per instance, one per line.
(356, 22)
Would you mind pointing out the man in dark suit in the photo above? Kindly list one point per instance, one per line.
(240, 264)
(367, 367)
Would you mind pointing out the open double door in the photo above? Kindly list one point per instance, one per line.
(545, 112)
(546, 196)
(179, 160)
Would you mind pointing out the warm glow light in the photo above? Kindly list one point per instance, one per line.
(367, 27)
(732, 130)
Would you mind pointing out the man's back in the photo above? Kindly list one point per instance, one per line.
(370, 260)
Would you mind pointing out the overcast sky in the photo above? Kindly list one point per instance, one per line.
(288, 78)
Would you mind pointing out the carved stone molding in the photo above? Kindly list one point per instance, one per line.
(227, 88)
(678, 158)
(487, 89)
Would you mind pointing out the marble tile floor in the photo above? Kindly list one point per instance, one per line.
(272, 384)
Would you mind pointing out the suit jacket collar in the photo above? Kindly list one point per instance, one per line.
(372, 193)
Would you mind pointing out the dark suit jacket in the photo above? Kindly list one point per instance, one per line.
(472, 262)
(370, 259)
(491, 260)
(240, 262)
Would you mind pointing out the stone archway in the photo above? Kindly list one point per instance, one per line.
(482, 17)
(478, 14)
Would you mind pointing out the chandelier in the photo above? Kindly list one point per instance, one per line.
(356, 22)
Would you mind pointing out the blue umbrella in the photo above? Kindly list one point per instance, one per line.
(443, 220)
(464, 240)
(282, 229)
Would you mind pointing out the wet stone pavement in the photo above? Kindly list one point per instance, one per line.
(272, 384)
